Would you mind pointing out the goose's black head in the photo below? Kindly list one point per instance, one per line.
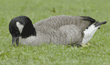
(21, 26)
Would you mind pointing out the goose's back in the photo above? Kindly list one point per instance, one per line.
(57, 21)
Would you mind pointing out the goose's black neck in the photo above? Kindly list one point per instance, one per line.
(28, 30)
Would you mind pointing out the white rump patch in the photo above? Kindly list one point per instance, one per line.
(88, 33)
(20, 26)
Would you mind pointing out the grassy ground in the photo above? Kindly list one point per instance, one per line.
(97, 53)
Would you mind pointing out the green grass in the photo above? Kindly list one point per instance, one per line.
(98, 53)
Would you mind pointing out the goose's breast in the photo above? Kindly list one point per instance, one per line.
(42, 38)
(28, 40)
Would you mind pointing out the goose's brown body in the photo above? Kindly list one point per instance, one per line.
(59, 30)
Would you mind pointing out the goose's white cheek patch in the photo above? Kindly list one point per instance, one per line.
(20, 26)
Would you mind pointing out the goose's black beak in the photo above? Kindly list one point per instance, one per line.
(15, 40)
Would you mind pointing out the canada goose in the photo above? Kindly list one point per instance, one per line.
(88, 33)
(56, 30)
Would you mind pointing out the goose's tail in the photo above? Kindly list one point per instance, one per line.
(99, 23)
(88, 33)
